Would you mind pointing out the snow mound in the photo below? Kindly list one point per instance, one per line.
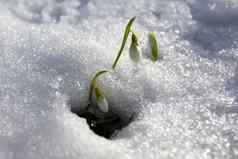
(186, 104)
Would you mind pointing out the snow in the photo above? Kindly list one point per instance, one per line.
(186, 104)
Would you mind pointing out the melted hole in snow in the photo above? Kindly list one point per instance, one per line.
(104, 124)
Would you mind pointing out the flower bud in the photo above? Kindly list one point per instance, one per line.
(154, 47)
(101, 100)
(134, 51)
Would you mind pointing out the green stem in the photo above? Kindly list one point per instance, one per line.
(125, 37)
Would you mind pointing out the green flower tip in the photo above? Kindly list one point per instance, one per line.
(134, 39)
(154, 47)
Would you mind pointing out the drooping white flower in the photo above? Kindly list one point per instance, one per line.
(101, 100)
(134, 51)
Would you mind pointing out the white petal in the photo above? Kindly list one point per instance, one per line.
(102, 104)
(134, 53)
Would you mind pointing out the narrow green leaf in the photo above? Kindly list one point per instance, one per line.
(94, 81)
(154, 47)
(125, 37)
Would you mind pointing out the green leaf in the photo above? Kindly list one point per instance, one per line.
(94, 82)
(154, 47)
(125, 37)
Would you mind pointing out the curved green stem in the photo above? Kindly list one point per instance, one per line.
(125, 37)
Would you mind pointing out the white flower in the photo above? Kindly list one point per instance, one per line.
(134, 51)
(101, 100)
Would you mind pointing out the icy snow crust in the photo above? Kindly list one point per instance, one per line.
(186, 104)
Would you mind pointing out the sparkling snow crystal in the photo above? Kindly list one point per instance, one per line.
(186, 104)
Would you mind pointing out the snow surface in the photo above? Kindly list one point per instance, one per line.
(186, 104)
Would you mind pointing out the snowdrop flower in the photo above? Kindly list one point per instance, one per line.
(101, 100)
(154, 47)
(134, 51)
(125, 37)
